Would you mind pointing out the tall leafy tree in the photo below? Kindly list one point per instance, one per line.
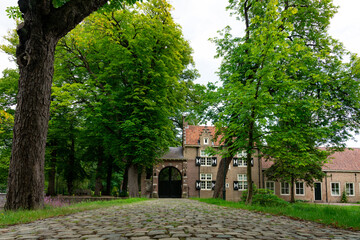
(45, 23)
(283, 66)
(136, 79)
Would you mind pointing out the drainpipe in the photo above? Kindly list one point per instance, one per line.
(224, 188)
(259, 169)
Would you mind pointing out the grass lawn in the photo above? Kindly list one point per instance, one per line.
(17, 217)
(347, 217)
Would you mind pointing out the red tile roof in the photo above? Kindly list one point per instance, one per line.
(348, 160)
(192, 134)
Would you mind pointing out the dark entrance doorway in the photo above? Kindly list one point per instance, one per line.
(170, 183)
(317, 187)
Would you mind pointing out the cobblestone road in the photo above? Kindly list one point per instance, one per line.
(173, 219)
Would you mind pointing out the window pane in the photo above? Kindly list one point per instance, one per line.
(349, 189)
(335, 189)
(299, 188)
(284, 188)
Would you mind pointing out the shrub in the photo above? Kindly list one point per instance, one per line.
(115, 192)
(123, 194)
(245, 193)
(264, 197)
(268, 200)
(344, 197)
(3, 188)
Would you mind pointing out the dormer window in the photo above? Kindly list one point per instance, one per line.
(206, 141)
(241, 154)
(203, 153)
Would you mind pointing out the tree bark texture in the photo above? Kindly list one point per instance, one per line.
(124, 185)
(219, 186)
(292, 192)
(109, 176)
(133, 181)
(43, 26)
(98, 181)
(70, 172)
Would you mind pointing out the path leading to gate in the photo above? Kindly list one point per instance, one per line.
(173, 219)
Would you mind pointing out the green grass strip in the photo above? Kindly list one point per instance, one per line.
(347, 217)
(8, 218)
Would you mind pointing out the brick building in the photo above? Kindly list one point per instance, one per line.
(188, 172)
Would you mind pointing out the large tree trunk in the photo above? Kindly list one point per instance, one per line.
(109, 176)
(248, 159)
(292, 192)
(133, 181)
(219, 186)
(124, 185)
(26, 173)
(98, 181)
(52, 173)
(43, 26)
(70, 176)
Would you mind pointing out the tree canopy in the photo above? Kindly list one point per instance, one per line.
(284, 82)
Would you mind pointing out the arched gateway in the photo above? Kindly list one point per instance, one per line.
(170, 183)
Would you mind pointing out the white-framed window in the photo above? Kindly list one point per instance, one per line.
(205, 159)
(299, 188)
(242, 180)
(335, 189)
(206, 141)
(285, 188)
(270, 185)
(206, 181)
(227, 185)
(242, 162)
(349, 188)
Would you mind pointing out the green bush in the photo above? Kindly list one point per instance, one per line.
(264, 197)
(245, 193)
(268, 200)
(123, 194)
(3, 188)
(344, 197)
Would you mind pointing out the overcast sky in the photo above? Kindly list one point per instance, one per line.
(201, 19)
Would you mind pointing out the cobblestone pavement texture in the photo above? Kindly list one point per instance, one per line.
(173, 219)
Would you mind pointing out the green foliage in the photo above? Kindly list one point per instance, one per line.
(284, 85)
(344, 198)
(6, 125)
(245, 193)
(132, 83)
(264, 197)
(14, 13)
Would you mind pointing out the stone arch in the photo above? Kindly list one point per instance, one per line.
(170, 183)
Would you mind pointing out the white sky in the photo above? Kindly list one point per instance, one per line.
(201, 19)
